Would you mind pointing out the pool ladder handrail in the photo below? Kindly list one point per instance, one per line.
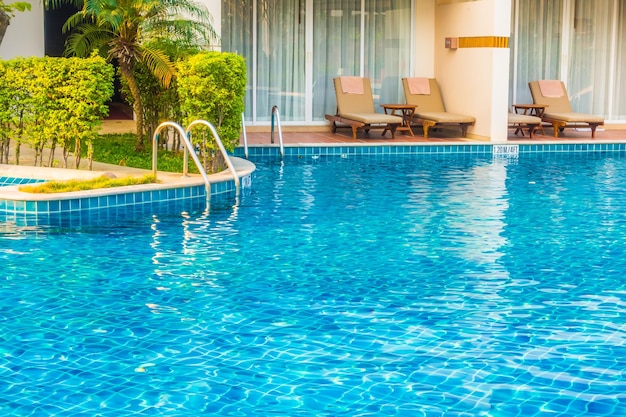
(275, 113)
(216, 136)
(189, 149)
(245, 137)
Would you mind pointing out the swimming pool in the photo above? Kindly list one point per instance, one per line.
(386, 285)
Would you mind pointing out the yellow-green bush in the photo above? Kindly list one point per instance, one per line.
(212, 87)
(45, 102)
(82, 185)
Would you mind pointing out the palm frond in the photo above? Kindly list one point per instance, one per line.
(75, 21)
(183, 31)
(159, 64)
(186, 19)
(85, 39)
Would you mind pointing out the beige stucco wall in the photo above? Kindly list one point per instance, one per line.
(24, 36)
(474, 81)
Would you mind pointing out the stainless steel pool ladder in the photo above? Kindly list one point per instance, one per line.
(189, 149)
(275, 115)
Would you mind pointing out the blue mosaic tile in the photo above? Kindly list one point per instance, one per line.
(420, 149)
(291, 154)
(7, 181)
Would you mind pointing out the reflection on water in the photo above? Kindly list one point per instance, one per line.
(372, 286)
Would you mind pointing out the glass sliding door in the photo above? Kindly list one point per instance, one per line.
(280, 59)
(354, 37)
(386, 40)
(590, 51)
(580, 42)
(336, 49)
(343, 37)
(270, 34)
(538, 42)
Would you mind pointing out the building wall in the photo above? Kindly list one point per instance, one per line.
(215, 7)
(24, 36)
(474, 80)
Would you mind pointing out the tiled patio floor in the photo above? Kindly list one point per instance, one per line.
(440, 136)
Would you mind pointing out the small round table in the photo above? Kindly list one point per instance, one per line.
(406, 111)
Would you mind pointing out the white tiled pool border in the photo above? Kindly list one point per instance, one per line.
(431, 148)
(12, 201)
(172, 188)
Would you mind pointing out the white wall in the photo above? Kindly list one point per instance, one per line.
(24, 36)
(424, 41)
(215, 8)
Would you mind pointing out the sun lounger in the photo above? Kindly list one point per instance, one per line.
(558, 112)
(355, 108)
(519, 121)
(430, 111)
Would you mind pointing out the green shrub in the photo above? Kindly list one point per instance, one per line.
(45, 102)
(212, 87)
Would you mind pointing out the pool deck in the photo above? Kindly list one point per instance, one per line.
(174, 186)
(441, 136)
(438, 136)
(166, 180)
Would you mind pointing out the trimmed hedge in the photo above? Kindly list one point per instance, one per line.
(212, 87)
(49, 102)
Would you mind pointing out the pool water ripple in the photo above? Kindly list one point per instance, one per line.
(377, 286)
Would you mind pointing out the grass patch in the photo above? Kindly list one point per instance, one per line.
(119, 149)
(81, 185)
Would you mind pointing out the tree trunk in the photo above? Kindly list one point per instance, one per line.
(127, 73)
(4, 24)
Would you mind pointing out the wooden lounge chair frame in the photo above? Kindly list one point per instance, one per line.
(559, 111)
(357, 111)
(517, 121)
(431, 112)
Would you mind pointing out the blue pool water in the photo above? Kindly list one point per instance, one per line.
(456, 286)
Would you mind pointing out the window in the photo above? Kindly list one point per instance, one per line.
(577, 41)
(342, 37)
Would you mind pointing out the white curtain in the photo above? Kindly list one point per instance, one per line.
(275, 62)
(538, 52)
(237, 36)
(344, 28)
(280, 59)
(590, 55)
(348, 37)
(387, 45)
(581, 42)
(336, 49)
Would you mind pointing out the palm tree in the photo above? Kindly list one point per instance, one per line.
(127, 30)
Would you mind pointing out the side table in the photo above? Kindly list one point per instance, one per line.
(406, 111)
